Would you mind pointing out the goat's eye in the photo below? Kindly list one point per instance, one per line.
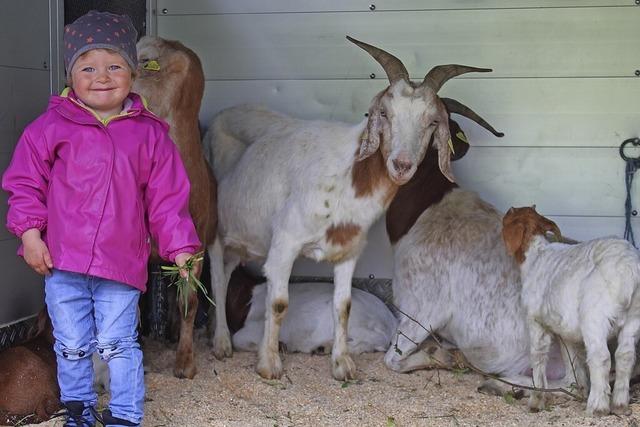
(383, 113)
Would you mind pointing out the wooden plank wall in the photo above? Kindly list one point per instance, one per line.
(564, 87)
(25, 75)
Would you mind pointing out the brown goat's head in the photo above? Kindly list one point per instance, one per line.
(519, 225)
(406, 116)
(169, 76)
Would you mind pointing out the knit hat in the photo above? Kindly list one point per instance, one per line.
(100, 30)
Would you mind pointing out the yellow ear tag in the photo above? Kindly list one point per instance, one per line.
(462, 137)
(151, 65)
(450, 142)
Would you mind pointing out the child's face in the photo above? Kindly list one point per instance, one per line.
(102, 79)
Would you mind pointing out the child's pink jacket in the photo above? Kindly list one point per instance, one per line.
(96, 190)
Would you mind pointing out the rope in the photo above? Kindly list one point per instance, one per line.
(632, 165)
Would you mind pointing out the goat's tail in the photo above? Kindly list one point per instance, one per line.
(231, 132)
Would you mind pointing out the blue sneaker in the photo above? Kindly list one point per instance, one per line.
(77, 415)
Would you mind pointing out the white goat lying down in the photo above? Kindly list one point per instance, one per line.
(290, 187)
(586, 294)
(371, 323)
(453, 276)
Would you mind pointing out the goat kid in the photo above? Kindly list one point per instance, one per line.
(174, 87)
(584, 293)
(291, 187)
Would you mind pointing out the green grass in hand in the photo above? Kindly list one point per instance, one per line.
(186, 284)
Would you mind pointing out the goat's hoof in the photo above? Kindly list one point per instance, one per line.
(536, 403)
(343, 368)
(621, 410)
(185, 366)
(269, 368)
(222, 347)
(600, 411)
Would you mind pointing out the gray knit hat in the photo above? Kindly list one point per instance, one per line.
(100, 30)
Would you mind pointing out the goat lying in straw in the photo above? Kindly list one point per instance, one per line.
(28, 383)
(586, 293)
(371, 323)
(290, 187)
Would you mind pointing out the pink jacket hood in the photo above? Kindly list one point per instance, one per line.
(99, 190)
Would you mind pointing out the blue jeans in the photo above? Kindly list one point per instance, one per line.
(88, 314)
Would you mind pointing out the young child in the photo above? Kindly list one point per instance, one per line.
(90, 179)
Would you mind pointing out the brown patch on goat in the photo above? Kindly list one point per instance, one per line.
(279, 309)
(342, 234)
(343, 316)
(369, 175)
(520, 225)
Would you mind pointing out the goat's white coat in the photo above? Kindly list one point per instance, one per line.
(586, 294)
(453, 275)
(307, 328)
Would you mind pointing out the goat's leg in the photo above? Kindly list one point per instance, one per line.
(185, 366)
(342, 365)
(219, 283)
(540, 345)
(277, 269)
(599, 362)
(409, 351)
(625, 359)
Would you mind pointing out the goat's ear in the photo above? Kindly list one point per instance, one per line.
(370, 137)
(442, 139)
(460, 144)
(513, 235)
(552, 227)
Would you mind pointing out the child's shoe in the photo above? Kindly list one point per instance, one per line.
(77, 415)
(110, 421)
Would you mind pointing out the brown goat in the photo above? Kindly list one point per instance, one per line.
(174, 90)
(28, 383)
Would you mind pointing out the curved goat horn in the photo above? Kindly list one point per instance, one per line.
(439, 74)
(394, 68)
(459, 108)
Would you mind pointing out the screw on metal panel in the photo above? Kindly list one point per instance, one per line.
(372, 276)
(638, 71)
(45, 65)
(165, 11)
(372, 7)
(372, 75)
(634, 212)
(637, 1)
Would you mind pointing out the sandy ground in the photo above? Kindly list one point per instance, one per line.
(230, 393)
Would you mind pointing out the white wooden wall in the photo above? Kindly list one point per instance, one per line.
(26, 73)
(564, 88)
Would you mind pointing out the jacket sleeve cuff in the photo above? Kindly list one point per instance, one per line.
(19, 230)
(171, 256)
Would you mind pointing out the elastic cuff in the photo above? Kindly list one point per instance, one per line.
(171, 256)
(19, 230)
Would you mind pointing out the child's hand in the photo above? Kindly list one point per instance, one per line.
(36, 253)
(181, 259)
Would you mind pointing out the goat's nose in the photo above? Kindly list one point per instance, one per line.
(401, 166)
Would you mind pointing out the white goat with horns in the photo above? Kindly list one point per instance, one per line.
(289, 187)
